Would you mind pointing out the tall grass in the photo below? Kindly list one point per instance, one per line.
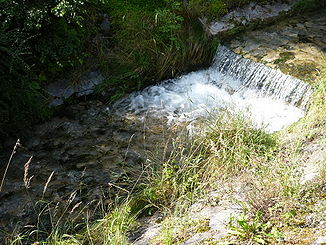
(152, 41)
(276, 189)
(173, 181)
(229, 150)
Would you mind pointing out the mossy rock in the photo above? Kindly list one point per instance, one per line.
(284, 57)
(305, 71)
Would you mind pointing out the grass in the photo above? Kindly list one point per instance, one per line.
(267, 166)
(178, 229)
(276, 201)
(229, 152)
(151, 41)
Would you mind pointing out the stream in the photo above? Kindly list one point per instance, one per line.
(271, 99)
(93, 152)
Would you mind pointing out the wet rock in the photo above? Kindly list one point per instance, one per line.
(122, 137)
(243, 16)
(84, 152)
(133, 158)
(83, 165)
(89, 180)
(230, 90)
(62, 89)
(309, 24)
(9, 143)
(33, 142)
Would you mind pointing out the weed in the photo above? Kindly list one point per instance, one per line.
(252, 230)
(179, 228)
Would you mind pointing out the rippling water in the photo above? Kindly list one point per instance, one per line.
(269, 98)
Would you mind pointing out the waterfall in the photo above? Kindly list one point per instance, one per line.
(269, 82)
(271, 99)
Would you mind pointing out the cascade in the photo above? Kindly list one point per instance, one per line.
(271, 99)
(269, 82)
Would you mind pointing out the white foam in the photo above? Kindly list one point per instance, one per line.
(198, 94)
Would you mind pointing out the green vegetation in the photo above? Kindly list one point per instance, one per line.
(252, 229)
(308, 5)
(152, 40)
(39, 41)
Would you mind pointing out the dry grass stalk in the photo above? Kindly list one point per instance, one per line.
(47, 183)
(7, 167)
(120, 188)
(75, 207)
(27, 180)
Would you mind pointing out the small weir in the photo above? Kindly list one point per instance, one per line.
(269, 82)
(271, 99)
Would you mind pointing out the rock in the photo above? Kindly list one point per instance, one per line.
(149, 229)
(133, 158)
(105, 25)
(309, 24)
(320, 240)
(89, 180)
(84, 151)
(230, 90)
(235, 44)
(304, 37)
(87, 85)
(243, 16)
(32, 142)
(198, 238)
(62, 89)
(83, 165)
(9, 143)
(218, 26)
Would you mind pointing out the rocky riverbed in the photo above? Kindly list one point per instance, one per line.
(86, 157)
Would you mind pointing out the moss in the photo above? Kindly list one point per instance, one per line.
(306, 71)
(284, 57)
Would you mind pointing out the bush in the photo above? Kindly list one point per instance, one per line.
(152, 41)
(39, 41)
(212, 9)
(307, 5)
(21, 100)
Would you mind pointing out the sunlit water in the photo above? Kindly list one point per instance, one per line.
(202, 93)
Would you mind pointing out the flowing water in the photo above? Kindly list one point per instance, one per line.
(271, 99)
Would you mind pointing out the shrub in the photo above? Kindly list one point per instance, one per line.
(212, 9)
(21, 100)
(39, 41)
(307, 5)
(152, 41)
